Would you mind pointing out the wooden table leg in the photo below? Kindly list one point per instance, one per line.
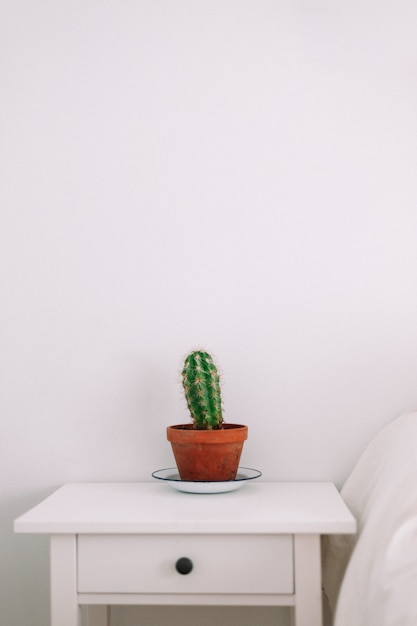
(307, 561)
(65, 610)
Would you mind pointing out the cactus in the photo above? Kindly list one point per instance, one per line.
(201, 384)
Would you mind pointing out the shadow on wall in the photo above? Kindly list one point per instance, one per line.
(27, 558)
(203, 616)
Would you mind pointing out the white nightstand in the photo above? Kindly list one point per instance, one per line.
(123, 543)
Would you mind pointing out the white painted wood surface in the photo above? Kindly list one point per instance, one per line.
(260, 507)
(252, 564)
(65, 610)
(307, 567)
(118, 543)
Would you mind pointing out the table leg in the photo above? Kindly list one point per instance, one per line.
(65, 610)
(307, 562)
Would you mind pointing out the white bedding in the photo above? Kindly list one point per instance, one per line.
(378, 585)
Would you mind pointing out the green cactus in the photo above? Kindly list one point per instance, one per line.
(201, 384)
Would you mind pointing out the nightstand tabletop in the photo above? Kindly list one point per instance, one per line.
(151, 507)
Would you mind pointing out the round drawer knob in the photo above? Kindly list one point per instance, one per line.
(184, 565)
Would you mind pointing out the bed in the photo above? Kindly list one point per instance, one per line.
(370, 579)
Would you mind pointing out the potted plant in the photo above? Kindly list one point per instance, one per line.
(207, 449)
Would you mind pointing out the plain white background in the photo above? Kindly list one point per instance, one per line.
(238, 175)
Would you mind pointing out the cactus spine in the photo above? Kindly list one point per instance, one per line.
(201, 384)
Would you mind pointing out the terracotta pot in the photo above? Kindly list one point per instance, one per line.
(207, 455)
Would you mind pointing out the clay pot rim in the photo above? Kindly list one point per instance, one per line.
(190, 426)
(186, 432)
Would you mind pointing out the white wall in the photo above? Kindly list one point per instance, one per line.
(233, 174)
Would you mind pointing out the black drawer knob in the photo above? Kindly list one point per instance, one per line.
(184, 565)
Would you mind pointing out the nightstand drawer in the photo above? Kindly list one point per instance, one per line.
(249, 564)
